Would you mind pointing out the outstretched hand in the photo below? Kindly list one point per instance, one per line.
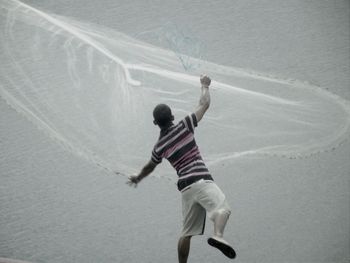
(133, 181)
(205, 81)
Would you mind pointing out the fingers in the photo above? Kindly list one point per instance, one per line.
(203, 76)
(132, 182)
(205, 80)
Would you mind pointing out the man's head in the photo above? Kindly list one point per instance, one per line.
(162, 116)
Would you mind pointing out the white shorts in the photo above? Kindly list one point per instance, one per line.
(201, 197)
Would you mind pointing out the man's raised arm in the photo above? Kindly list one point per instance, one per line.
(204, 100)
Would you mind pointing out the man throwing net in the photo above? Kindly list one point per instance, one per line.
(200, 195)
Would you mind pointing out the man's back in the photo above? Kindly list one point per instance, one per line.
(178, 146)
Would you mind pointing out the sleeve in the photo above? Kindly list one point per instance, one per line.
(190, 122)
(155, 157)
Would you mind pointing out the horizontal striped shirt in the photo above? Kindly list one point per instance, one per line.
(178, 146)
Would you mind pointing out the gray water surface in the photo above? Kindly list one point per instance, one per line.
(57, 207)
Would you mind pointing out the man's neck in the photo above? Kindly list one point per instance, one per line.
(166, 127)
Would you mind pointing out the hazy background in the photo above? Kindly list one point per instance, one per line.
(56, 207)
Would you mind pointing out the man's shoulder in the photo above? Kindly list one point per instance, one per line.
(190, 122)
(164, 136)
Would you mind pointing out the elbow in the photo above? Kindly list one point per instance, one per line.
(206, 104)
(149, 168)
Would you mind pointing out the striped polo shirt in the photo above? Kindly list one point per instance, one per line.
(178, 146)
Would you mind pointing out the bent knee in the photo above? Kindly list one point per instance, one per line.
(222, 212)
(225, 211)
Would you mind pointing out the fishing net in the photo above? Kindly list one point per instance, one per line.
(93, 90)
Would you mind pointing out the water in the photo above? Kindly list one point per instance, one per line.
(91, 89)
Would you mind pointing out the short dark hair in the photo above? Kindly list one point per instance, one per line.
(162, 115)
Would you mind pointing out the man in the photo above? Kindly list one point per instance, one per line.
(200, 195)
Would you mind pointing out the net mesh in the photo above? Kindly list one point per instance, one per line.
(93, 89)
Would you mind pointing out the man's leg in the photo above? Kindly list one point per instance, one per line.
(220, 220)
(214, 201)
(184, 248)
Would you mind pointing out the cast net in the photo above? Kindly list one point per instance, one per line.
(93, 89)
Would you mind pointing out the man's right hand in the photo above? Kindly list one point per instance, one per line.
(133, 180)
(204, 100)
(205, 81)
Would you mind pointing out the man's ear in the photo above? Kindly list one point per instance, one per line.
(155, 122)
